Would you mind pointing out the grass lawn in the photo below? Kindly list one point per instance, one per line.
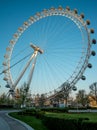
(38, 125)
(30, 120)
(92, 116)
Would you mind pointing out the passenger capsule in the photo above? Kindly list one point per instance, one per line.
(20, 29)
(4, 63)
(93, 53)
(45, 11)
(8, 49)
(60, 8)
(4, 71)
(92, 30)
(7, 86)
(89, 65)
(32, 18)
(38, 14)
(94, 41)
(74, 88)
(26, 23)
(5, 78)
(83, 78)
(75, 11)
(15, 35)
(82, 15)
(52, 8)
(12, 41)
(6, 56)
(88, 22)
(11, 91)
(68, 8)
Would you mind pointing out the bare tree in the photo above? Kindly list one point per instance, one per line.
(66, 88)
(93, 91)
(82, 98)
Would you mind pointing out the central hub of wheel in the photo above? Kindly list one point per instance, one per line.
(36, 48)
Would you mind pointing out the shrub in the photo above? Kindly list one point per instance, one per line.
(53, 123)
(57, 110)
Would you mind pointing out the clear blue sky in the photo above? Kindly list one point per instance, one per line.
(14, 12)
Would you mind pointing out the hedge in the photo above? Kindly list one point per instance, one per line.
(53, 123)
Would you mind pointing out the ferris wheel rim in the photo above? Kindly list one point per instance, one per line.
(46, 13)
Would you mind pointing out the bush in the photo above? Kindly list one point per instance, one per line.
(27, 112)
(57, 110)
(39, 114)
(32, 112)
(6, 106)
(53, 123)
(89, 126)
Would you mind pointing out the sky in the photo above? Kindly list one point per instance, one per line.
(13, 13)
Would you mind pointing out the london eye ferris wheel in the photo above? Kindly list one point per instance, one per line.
(50, 50)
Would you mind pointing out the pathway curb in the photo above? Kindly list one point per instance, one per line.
(23, 123)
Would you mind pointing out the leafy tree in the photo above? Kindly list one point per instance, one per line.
(23, 95)
(5, 100)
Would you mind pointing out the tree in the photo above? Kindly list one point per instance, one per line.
(66, 88)
(4, 100)
(42, 100)
(82, 98)
(93, 91)
(23, 95)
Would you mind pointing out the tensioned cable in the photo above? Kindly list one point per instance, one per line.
(19, 53)
(15, 56)
(17, 62)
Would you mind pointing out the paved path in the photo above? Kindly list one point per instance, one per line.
(8, 123)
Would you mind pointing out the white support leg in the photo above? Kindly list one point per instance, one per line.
(32, 70)
(23, 71)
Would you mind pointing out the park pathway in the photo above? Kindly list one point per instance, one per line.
(8, 123)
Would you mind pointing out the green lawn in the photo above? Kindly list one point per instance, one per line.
(30, 120)
(38, 125)
(92, 116)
